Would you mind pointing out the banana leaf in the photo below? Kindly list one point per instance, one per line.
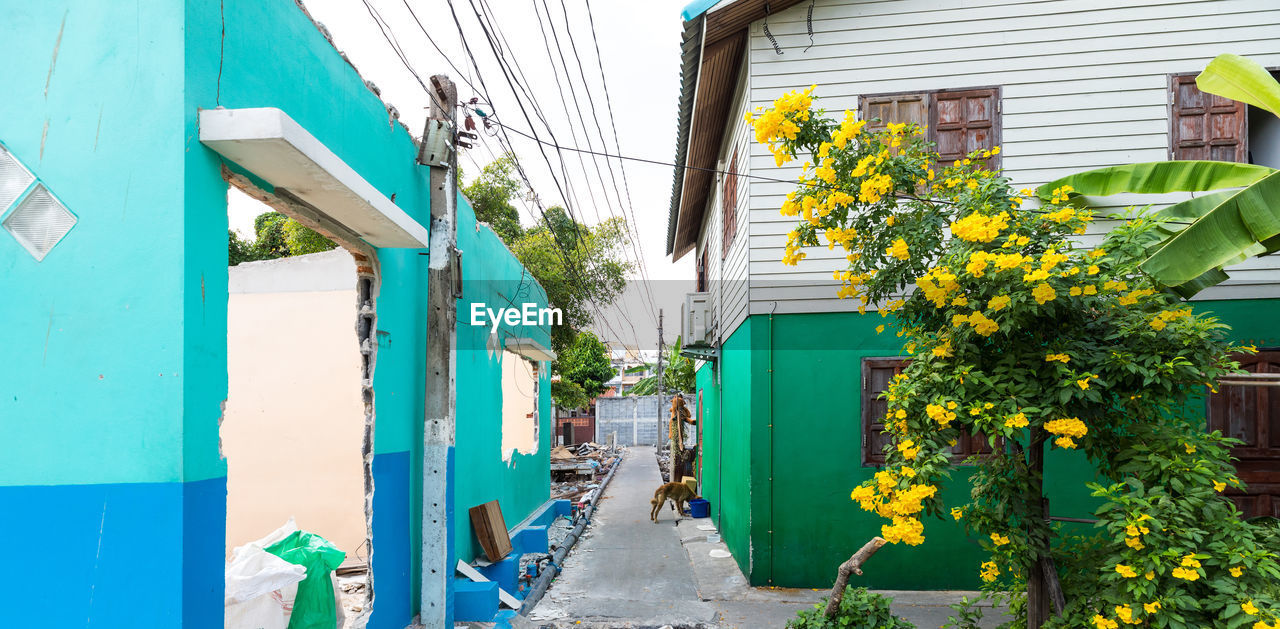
(1159, 177)
(1238, 78)
(1183, 214)
(1245, 224)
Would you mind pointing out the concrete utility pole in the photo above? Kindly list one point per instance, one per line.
(444, 279)
(662, 411)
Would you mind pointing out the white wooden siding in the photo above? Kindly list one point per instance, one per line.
(727, 273)
(1084, 85)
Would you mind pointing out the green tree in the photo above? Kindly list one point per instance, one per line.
(1019, 333)
(491, 194)
(271, 242)
(586, 364)
(302, 240)
(277, 236)
(677, 375)
(239, 250)
(582, 268)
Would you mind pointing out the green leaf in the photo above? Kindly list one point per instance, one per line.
(1159, 177)
(1238, 78)
(1234, 230)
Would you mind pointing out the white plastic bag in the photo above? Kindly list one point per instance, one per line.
(260, 587)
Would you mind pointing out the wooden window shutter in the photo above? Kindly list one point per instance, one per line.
(876, 375)
(1205, 126)
(963, 121)
(729, 204)
(1252, 415)
(913, 107)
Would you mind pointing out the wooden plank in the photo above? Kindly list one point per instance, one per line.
(504, 597)
(491, 530)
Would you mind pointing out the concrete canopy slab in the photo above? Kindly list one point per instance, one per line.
(271, 145)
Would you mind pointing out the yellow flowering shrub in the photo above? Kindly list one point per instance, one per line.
(1019, 333)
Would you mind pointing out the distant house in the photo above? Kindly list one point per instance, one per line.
(788, 393)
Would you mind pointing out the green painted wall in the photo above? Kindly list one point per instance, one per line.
(726, 443)
(790, 437)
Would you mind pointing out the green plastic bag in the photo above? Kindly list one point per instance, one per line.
(314, 608)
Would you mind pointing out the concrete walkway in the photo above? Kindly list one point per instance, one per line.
(628, 572)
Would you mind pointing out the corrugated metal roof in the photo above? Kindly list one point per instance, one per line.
(690, 54)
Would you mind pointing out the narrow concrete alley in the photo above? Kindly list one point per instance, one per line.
(627, 568)
(629, 572)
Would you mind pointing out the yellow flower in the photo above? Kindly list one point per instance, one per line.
(1249, 608)
(908, 449)
(1017, 421)
(1186, 574)
(898, 249)
(1043, 293)
(982, 325)
(944, 350)
(989, 571)
(1074, 291)
(1069, 427)
(997, 303)
(1134, 543)
(1189, 448)
(1083, 383)
(998, 539)
(1149, 575)
(1125, 613)
(1063, 358)
(957, 513)
(1236, 571)
(1219, 485)
(1102, 622)
(1091, 290)
(1190, 561)
(1126, 571)
(979, 227)
(1093, 269)
(900, 414)
(1151, 607)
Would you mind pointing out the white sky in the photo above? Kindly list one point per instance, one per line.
(639, 46)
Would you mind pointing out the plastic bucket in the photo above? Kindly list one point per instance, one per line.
(699, 508)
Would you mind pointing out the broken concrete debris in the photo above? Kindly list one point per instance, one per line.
(575, 469)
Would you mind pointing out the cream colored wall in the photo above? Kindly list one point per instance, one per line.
(294, 420)
(519, 399)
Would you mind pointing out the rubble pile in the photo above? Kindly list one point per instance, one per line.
(577, 470)
(664, 462)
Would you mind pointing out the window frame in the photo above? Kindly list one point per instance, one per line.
(1171, 91)
(931, 96)
(729, 205)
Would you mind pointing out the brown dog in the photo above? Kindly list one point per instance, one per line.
(677, 493)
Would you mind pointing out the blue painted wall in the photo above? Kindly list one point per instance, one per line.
(115, 344)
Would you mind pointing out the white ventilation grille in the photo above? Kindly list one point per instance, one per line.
(39, 222)
(14, 180)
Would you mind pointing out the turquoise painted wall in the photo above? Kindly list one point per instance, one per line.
(115, 365)
(791, 392)
(492, 276)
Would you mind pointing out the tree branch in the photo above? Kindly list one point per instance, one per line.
(852, 565)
